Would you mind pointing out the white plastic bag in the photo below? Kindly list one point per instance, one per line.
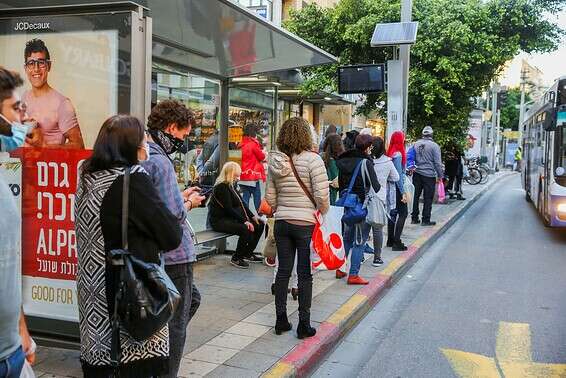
(327, 244)
(27, 371)
(410, 191)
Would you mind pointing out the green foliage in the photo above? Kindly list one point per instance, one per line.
(461, 46)
(510, 112)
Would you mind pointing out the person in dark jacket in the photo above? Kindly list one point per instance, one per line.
(121, 144)
(333, 147)
(228, 213)
(455, 171)
(356, 236)
(350, 140)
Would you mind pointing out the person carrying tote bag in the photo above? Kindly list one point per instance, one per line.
(384, 200)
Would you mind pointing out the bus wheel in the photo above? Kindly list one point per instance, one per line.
(542, 212)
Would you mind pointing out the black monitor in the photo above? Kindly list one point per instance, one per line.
(362, 78)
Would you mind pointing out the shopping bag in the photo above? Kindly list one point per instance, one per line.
(27, 371)
(440, 191)
(270, 248)
(327, 245)
(376, 213)
(409, 191)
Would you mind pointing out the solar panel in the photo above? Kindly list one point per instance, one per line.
(395, 33)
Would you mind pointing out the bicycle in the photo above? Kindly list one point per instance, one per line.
(474, 176)
(482, 167)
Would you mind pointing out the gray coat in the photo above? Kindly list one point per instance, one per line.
(428, 158)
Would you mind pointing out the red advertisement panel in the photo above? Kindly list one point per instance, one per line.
(49, 245)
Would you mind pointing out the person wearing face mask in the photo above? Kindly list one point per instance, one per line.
(152, 228)
(13, 133)
(15, 341)
(228, 213)
(168, 124)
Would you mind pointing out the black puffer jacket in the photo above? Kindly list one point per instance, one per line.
(347, 163)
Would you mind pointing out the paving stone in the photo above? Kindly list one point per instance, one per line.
(212, 354)
(258, 362)
(191, 368)
(232, 372)
(248, 329)
(230, 340)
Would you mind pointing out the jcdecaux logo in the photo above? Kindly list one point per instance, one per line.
(24, 25)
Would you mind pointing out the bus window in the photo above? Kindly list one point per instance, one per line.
(560, 140)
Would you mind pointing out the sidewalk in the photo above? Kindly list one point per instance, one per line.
(232, 334)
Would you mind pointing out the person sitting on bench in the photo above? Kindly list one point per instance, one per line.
(228, 213)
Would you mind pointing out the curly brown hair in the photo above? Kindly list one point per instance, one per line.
(170, 111)
(295, 136)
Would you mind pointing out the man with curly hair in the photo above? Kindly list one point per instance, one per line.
(168, 124)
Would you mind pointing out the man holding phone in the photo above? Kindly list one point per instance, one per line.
(168, 124)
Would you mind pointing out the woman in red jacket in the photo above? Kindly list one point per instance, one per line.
(252, 166)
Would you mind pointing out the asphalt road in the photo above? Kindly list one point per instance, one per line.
(487, 299)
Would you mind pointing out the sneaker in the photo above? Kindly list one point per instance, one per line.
(377, 261)
(253, 259)
(428, 223)
(240, 263)
(415, 221)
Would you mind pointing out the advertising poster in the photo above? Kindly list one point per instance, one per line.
(70, 88)
(474, 137)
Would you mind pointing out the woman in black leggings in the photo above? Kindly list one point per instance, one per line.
(297, 186)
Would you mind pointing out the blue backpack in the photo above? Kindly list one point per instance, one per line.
(354, 210)
(411, 158)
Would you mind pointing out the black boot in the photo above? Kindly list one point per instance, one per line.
(305, 330)
(282, 324)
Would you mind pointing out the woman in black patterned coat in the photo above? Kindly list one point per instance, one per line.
(121, 143)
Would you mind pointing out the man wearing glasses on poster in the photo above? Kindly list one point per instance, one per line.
(53, 112)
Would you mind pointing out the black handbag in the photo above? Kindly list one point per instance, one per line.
(146, 298)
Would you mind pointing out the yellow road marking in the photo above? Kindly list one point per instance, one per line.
(393, 266)
(280, 369)
(513, 342)
(470, 365)
(512, 353)
(346, 309)
(532, 370)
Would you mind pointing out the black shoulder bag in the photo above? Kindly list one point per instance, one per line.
(146, 298)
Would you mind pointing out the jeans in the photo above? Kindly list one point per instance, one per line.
(396, 223)
(249, 191)
(247, 241)
(182, 277)
(355, 238)
(11, 367)
(377, 240)
(293, 239)
(427, 185)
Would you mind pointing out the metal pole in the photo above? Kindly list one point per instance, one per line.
(224, 121)
(405, 55)
(494, 117)
(522, 106)
(274, 127)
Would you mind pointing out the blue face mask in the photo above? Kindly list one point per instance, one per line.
(19, 132)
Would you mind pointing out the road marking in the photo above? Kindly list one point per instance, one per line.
(513, 342)
(513, 355)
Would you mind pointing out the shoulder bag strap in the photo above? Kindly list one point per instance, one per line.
(301, 183)
(125, 207)
(354, 175)
(115, 347)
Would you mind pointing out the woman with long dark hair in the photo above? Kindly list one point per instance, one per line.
(396, 151)
(356, 235)
(297, 186)
(121, 144)
(333, 147)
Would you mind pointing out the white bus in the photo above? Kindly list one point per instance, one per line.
(544, 155)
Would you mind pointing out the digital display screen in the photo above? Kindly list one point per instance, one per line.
(367, 78)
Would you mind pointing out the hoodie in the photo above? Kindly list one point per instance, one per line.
(283, 192)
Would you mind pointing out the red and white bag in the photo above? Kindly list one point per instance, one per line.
(327, 245)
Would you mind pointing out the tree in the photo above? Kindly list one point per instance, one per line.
(461, 46)
(510, 111)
